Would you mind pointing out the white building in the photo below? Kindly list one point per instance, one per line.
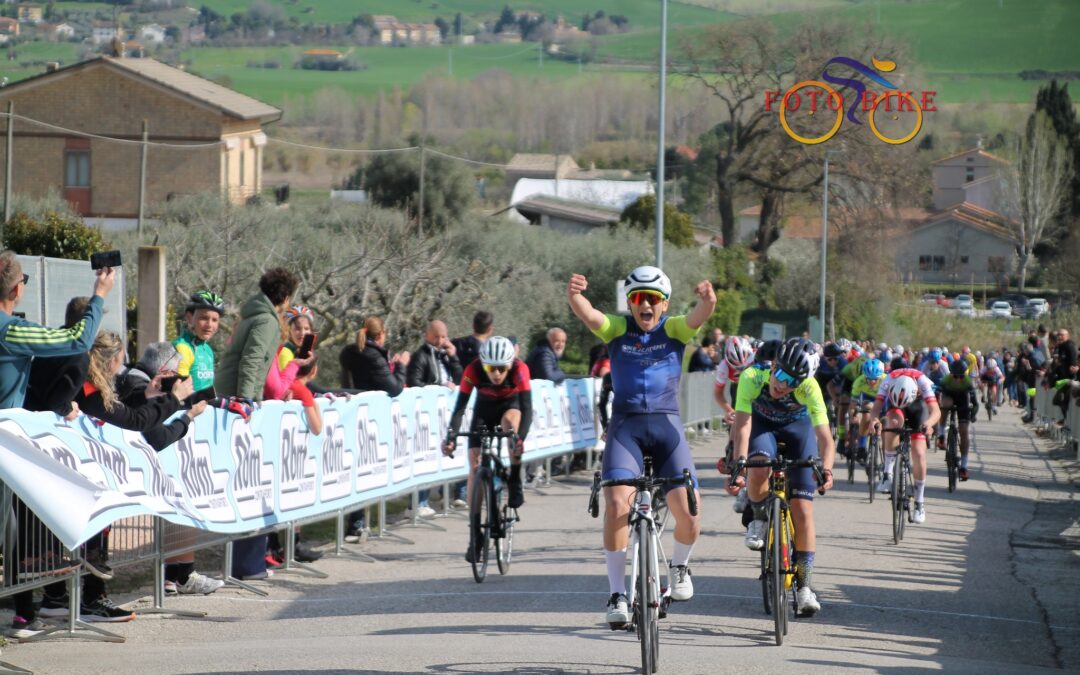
(152, 33)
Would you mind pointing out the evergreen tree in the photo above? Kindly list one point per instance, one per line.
(1055, 101)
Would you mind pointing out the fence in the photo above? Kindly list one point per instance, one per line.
(1047, 416)
(54, 281)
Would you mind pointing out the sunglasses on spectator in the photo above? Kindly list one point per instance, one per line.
(495, 369)
(646, 297)
(786, 379)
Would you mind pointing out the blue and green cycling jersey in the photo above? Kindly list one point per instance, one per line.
(862, 387)
(645, 366)
(853, 370)
(755, 399)
(196, 360)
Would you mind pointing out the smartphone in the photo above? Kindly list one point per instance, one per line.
(105, 259)
(167, 383)
(306, 346)
(207, 394)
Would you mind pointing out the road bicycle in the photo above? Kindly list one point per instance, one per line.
(903, 493)
(875, 460)
(952, 449)
(649, 599)
(777, 569)
(491, 519)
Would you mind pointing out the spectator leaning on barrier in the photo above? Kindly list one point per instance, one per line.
(436, 362)
(543, 361)
(243, 372)
(98, 398)
(367, 366)
(22, 340)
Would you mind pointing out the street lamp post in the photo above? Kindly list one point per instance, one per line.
(660, 132)
(824, 241)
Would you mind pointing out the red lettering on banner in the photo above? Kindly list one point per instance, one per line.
(813, 100)
(868, 99)
(928, 101)
(770, 97)
(792, 100)
(835, 101)
(903, 100)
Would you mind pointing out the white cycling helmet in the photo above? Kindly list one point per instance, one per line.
(898, 348)
(738, 353)
(881, 346)
(648, 278)
(903, 392)
(497, 351)
(991, 363)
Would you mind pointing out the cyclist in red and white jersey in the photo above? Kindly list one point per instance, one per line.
(912, 404)
(738, 355)
(991, 378)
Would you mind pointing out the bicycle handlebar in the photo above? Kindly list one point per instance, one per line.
(643, 483)
(482, 432)
(779, 464)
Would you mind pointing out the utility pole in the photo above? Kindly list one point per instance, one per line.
(660, 133)
(142, 177)
(423, 166)
(824, 244)
(450, 54)
(7, 173)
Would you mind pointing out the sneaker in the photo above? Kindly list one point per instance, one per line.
(198, 584)
(459, 503)
(425, 512)
(885, 485)
(682, 586)
(274, 559)
(741, 500)
(963, 474)
(170, 587)
(258, 576)
(618, 610)
(516, 497)
(806, 602)
(304, 553)
(95, 564)
(103, 610)
(54, 606)
(356, 536)
(940, 442)
(22, 629)
(919, 516)
(755, 534)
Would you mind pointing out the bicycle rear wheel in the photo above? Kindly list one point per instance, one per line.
(648, 600)
(952, 453)
(766, 579)
(777, 576)
(851, 466)
(480, 518)
(873, 464)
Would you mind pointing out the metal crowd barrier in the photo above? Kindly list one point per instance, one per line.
(1048, 417)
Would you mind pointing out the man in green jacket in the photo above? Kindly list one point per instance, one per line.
(251, 348)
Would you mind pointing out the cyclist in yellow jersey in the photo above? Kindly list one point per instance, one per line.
(784, 404)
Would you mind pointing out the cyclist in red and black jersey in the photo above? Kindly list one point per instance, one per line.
(503, 398)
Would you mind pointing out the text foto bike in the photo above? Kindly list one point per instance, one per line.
(777, 569)
(490, 517)
(649, 599)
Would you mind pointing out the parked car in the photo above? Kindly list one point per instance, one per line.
(929, 299)
(1018, 301)
(1036, 307)
(1001, 309)
(963, 304)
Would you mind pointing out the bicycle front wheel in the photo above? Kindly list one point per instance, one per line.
(779, 572)
(897, 497)
(951, 458)
(873, 465)
(648, 600)
(504, 546)
(480, 517)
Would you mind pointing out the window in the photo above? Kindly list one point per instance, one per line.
(970, 175)
(931, 263)
(77, 168)
(963, 260)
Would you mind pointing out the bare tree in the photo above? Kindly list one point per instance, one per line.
(1035, 189)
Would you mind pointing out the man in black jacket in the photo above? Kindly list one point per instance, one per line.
(436, 362)
(543, 361)
(468, 347)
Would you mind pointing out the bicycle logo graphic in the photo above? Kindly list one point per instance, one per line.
(792, 101)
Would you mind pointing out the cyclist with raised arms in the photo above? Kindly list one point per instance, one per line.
(957, 390)
(784, 404)
(503, 398)
(646, 353)
(912, 405)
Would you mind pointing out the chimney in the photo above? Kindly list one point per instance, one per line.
(52, 66)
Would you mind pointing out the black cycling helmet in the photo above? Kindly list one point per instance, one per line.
(796, 358)
(958, 368)
(766, 352)
(898, 363)
(832, 351)
(205, 300)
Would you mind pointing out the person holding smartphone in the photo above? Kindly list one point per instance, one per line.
(293, 354)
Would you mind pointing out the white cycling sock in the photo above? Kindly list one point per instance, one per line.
(920, 489)
(680, 555)
(616, 570)
(887, 469)
(963, 462)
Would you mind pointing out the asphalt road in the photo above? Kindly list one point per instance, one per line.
(988, 584)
